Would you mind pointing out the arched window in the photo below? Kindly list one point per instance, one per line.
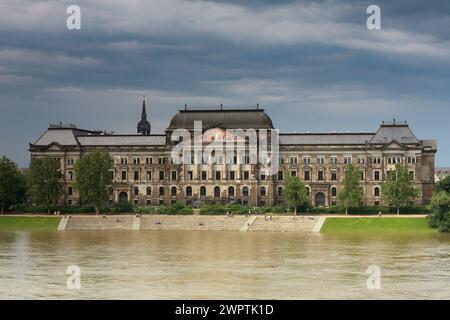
(216, 191)
(231, 191)
(333, 192)
(161, 191)
(149, 191)
(376, 192)
(245, 191)
(173, 191)
(70, 191)
(188, 191)
(203, 191)
(262, 191)
(280, 191)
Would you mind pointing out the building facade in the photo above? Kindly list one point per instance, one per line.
(145, 174)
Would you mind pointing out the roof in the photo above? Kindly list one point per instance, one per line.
(122, 140)
(80, 137)
(324, 138)
(223, 118)
(394, 132)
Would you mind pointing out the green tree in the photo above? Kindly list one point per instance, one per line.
(352, 193)
(46, 181)
(444, 185)
(12, 184)
(399, 189)
(93, 178)
(295, 193)
(440, 204)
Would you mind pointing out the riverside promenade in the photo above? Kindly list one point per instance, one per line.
(192, 223)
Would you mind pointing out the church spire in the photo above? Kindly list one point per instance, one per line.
(143, 126)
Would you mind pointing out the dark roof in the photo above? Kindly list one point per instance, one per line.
(394, 132)
(223, 118)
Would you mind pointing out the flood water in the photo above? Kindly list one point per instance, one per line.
(222, 265)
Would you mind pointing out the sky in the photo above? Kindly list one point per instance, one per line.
(313, 65)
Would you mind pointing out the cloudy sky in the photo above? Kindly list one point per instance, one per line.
(313, 65)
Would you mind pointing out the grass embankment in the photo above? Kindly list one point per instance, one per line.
(29, 223)
(377, 225)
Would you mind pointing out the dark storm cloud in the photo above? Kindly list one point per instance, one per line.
(314, 61)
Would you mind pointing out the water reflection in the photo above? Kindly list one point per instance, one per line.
(228, 265)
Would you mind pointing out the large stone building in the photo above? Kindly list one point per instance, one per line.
(144, 173)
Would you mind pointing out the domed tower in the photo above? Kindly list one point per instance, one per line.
(143, 126)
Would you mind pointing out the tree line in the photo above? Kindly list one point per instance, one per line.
(44, 183)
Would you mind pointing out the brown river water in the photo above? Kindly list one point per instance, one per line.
(222, 265)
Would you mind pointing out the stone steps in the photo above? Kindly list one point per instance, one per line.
(284, 223)
(100, 223)
(221, 223)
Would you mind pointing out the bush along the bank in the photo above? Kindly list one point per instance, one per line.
(177, 208)
(369, 210)
(218, 209)
(440, 204)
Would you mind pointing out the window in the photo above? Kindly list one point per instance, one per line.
(411, 159)
(245, 191)
(216, 192)
(136, 191)
(69, 161)
(281, 160)
(162, 160)
(361, 175)
(280, 175)
(136, 202)
(306, 160)
(149, 175)
(70, 191)
(70, 175)
(293, 160)
(307, 191)
(347, 159)
(263, 176)
(217, 175)
(136, 160)
(190, 175)
(246, 175)
(161, 191)
(148, 160)
(173, 175)
(161, 175)
(149, 191)
(123, 160)
(361, 160)
(320, 160)
(333, 192)
(232, 175)
(411, 175)
(320, 175)
(394, 160)
(334, 159)
(202, 191)
(124, 175)
(188, 191)
(376, 175)
(231, 191)
(306, 176)
(334, 176)
(173, 191)
(280, 191)
(204, 175)
(136, 175)
(149, 202)
(262, 191)
(376, 159)
(69, 202)
(293, 173)
(376, 192)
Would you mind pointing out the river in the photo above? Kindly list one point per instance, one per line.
(222, 265)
